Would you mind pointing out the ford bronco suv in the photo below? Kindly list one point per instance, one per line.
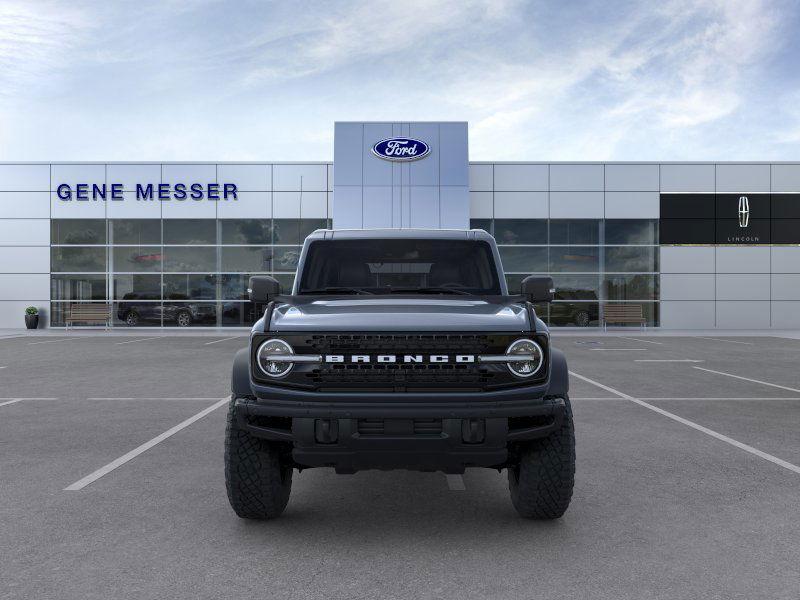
(399, 349)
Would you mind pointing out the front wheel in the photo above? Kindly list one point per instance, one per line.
(132, 318)
(184, 319)
(541, 483)
(257, 480)
(582, 318)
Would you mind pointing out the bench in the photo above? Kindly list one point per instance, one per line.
(623, 314)
(88, 312)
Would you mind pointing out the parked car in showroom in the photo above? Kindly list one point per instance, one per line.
(135, 309)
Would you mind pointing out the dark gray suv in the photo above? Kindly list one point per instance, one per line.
(400, 349)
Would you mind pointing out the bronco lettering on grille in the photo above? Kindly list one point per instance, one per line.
(404, 358)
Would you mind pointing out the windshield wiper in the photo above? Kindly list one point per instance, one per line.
(431, 290)
(337, 290)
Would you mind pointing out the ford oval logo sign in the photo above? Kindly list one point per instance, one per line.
(401, 148)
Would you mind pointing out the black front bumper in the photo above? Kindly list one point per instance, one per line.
(466, 433)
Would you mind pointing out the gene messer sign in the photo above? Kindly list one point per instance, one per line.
(148, 191)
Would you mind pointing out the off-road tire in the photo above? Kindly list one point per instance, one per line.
(257, 481)
(541, 483)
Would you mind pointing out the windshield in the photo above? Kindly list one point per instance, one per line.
(399, 266)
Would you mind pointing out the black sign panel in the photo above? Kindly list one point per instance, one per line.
(748, 219)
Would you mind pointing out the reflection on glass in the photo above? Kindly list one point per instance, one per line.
(485, 224)
(136, 231)
(309, 226)
(575, 314)
(78, 231)
(286, 258)
(574, 231)
(190, 287)
(631, 259)
(286, 231)
(574, 259)
(189, 314)
(78, 287)
(136, 259)
(520, 231)
(523, 260)
(255, 259)
(137, 287)
(576, 287)
(190, 231)
(631, 287)
(234, 287)
(631, 231)
(78, 259)
(184, 259)
(246, 231)
(240, 314)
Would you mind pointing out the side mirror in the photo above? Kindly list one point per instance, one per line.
(538, 289)
(263, 288)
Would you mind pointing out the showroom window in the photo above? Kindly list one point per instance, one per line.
(172, 272)
(593, 262)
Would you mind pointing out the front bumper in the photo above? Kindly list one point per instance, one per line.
(339, 435)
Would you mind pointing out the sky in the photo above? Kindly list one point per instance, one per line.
(183, 80)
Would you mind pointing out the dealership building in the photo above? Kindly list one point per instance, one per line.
(695, 245)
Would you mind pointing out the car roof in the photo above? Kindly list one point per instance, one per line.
(432, 234)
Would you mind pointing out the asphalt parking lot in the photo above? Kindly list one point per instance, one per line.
(687, 486)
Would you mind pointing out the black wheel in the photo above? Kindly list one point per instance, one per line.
(184, 318)
(582, 318)
(132, 318)
(541, 484)
(257, 480)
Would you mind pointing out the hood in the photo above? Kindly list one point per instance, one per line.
(399, 313)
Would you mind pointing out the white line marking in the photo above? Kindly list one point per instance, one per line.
(139, 340)
(223, 340)
(618, 349)
(92, 477)
(11, 402)
(669, 360)
(693, 425)
(640, 340)
(4, 367)
(152, 398)
(11, 337)
(696, 398)
(455, 483)
(59, 340)
(775, 385)
(700, 337)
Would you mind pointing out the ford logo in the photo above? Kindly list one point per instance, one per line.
(401, 148)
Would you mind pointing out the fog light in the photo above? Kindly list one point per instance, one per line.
(526, 358)
(272, 367)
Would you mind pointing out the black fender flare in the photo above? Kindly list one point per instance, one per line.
(559, 375)
(240, 375)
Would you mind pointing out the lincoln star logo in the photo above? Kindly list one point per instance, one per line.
(401, 149)
(744, 211)
(405, 358)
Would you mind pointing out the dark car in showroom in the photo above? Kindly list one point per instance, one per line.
(137, 309)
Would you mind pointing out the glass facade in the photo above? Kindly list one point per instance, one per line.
(171, 272)
(593, 262)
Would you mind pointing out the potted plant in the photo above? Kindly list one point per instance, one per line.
(31, 317)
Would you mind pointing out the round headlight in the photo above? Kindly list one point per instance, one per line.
(269, 366)
(525, 367)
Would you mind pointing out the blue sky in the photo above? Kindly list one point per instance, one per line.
(203, 80)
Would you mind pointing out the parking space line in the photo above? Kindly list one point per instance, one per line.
(153, 398)
(640, 340)
(724, 438)
(669, 360)
(455, 483)
(139, 340)
(700, 337)
(69, 339)
(618, 349)
(223, 340)
(775, 385)
(105, 470)
(6, 403)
